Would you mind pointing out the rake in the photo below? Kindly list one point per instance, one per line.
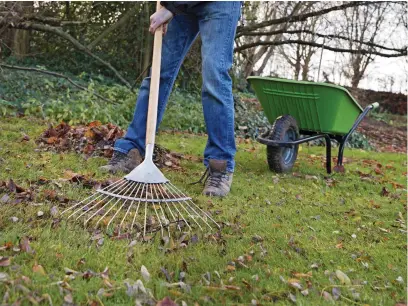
(144, 201)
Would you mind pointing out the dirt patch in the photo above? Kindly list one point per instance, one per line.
(384, 137)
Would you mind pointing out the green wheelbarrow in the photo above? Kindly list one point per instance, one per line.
(315, 110)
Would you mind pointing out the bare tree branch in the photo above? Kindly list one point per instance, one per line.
(331, 36)
(58, 31)
(54, 21)
(122, 21)
(58, 75)
(242, 30)
(314, 44)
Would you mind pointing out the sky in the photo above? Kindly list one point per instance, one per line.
(380, 74)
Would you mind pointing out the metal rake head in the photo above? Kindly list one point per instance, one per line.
(128, 206)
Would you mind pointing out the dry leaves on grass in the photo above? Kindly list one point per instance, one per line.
(96, 139)
(20, 193)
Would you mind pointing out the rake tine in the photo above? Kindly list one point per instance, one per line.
(172, 187)
(107, 196)
(82, 207)
(99, 195)
(161, 208)
(155, 210)
(130, 186)
(95, 194)
(168, 206)
(127, 211)
(137, 209)
(145, 216)
(196, 206)
(175, 206)
(191, 216)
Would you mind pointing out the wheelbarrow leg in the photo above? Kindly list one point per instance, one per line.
(344, 139)
(328, 153)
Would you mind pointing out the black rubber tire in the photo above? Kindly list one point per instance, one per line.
(276, 155)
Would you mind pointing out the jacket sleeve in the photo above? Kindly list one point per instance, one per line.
(179, 7)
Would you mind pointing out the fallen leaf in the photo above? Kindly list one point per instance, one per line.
(327, 296)
(5, 198)
(344, 279)
(339, 169)
(302, 275)
(166, 302)
(38, 269)
(25, 245)
(14, 219)
(230, 268)
(336, 293)
(25, 138)
(68, 299)
(3, 277)
(292, 297)
(54, 211)
(5, 261)
(145, 273)
(384, 192)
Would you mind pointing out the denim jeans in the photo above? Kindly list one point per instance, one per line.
(216, 22)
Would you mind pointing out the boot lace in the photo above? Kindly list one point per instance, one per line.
(214, 178)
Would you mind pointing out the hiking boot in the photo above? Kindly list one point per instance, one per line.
(123, 162)
(218, 182)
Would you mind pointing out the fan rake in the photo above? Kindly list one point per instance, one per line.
(128, 206)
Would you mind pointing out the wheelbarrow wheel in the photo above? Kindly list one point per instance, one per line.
(282, 159)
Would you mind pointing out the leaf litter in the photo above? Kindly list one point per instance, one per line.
(96, 139)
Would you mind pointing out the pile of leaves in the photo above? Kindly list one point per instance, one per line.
(91, 139)
(96, 139)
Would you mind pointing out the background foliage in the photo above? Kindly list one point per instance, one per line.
(105, 48)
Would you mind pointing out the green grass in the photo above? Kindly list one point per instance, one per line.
(303, 221)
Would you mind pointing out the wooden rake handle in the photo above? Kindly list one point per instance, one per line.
(154, 84)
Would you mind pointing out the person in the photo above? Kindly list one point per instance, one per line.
(182, 21)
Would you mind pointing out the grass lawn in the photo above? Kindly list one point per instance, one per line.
(301, 238)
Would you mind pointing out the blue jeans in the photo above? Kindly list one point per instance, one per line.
(216, 22)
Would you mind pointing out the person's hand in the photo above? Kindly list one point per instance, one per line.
(161, 17)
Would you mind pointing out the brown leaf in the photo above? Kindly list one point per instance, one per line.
(166, 302)
(25, 138)
(94, 123)
(25, 245)
(13, 187)
(89, 149)
(230, 268)
(50, 194)
(52, 140)
(339, 169)
(384, 192)
(38, 269)
(73, 177)
(5, 261)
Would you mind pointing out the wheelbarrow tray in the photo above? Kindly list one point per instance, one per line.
(317, 107)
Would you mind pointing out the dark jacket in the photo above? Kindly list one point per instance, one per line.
(179, 7)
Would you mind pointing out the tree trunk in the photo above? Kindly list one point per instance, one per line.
(21, 38)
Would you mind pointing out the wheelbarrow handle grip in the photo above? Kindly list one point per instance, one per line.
(375, 105)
